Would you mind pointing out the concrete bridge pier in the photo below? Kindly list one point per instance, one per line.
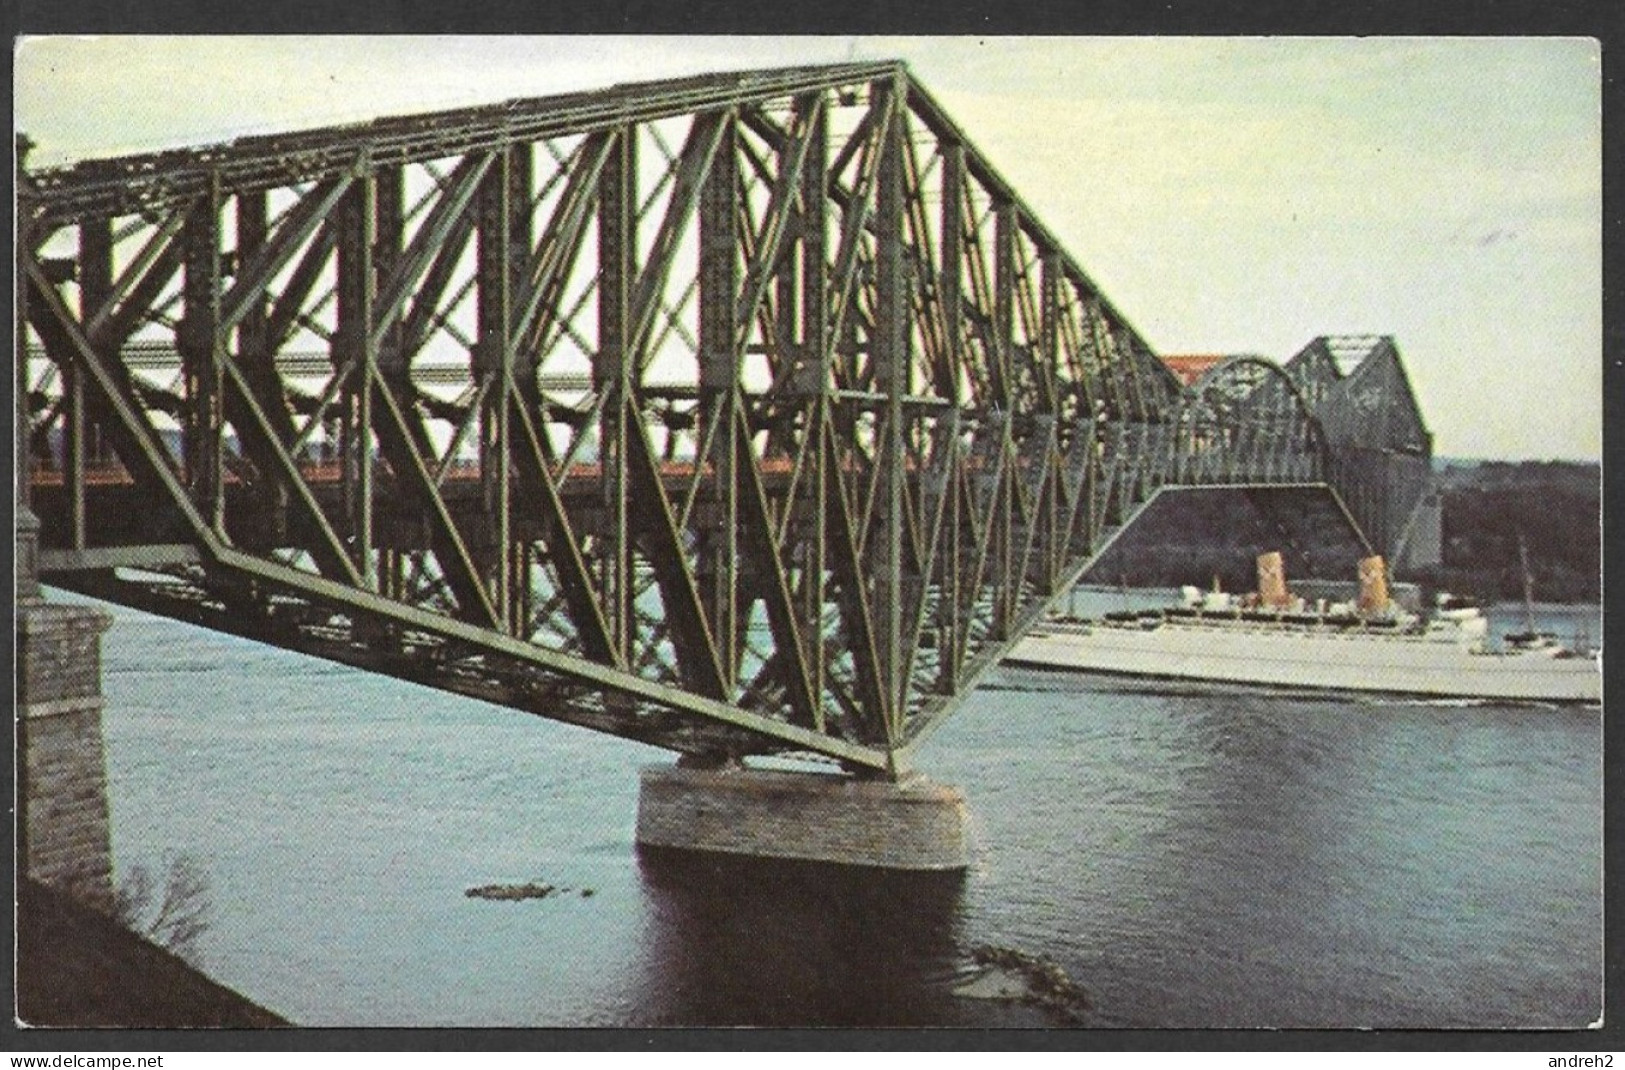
(62, 813)
(908, 824)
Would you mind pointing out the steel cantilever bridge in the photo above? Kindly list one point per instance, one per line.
(744, 414)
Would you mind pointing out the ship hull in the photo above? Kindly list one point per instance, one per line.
(1306, 659)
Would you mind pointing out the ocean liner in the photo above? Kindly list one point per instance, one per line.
(1270, 638)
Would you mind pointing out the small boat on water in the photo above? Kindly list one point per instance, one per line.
(1272, 639)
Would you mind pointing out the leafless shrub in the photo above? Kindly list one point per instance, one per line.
(175, 916)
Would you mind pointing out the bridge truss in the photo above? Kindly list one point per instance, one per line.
(745, 414)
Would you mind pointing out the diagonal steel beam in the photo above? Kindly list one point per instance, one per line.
(851, 583)
(564, 548)
(781, 201)
(698, 655)
(252, 278)
(757, 523)
(140, 281)
(138, 447)
(286, 309)
(449, 215)
(694, 163)
(560, 245)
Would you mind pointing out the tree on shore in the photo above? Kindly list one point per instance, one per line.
(1555, 507)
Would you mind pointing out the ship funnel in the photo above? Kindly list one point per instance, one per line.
(1373, 586)
(1272, 581)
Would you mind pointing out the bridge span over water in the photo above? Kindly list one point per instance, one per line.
(747, 414)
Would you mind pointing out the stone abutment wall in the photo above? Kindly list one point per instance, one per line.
(62, 816)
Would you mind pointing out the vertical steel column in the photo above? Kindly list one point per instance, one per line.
(785, 352)
(200, 344)
(612, 378)
(256, 359)
(950, 281)
(1075, 321)
(814, 380)
(1006, 585)
(502, 242)
(252, 231)
(890, 355)
(1051, 542)
(357, 294)
(1004, 303)
(1089, 488)
(521, 237)
(95, 288)
(719, 393)
(366, 314)
(389, 184)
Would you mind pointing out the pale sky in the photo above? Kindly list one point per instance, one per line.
(1227, 194)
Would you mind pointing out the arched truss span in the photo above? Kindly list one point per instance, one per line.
(1246, 421)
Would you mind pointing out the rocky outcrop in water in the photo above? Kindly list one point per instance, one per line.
(1036, 980)
(514, 892)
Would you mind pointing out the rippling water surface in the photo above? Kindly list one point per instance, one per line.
(1191, 860)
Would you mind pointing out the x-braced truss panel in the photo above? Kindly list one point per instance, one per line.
(744, 414)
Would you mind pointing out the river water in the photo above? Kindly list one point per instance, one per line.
(1190, 860)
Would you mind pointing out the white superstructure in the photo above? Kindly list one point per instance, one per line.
(1220, 638)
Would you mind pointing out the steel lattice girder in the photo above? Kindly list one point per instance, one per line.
(1379, 450)
(742, 414)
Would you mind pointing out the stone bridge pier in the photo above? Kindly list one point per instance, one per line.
(908, 824)
(62, 813)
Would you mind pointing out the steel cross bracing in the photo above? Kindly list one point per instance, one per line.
(1380, 452)
(745, 414)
